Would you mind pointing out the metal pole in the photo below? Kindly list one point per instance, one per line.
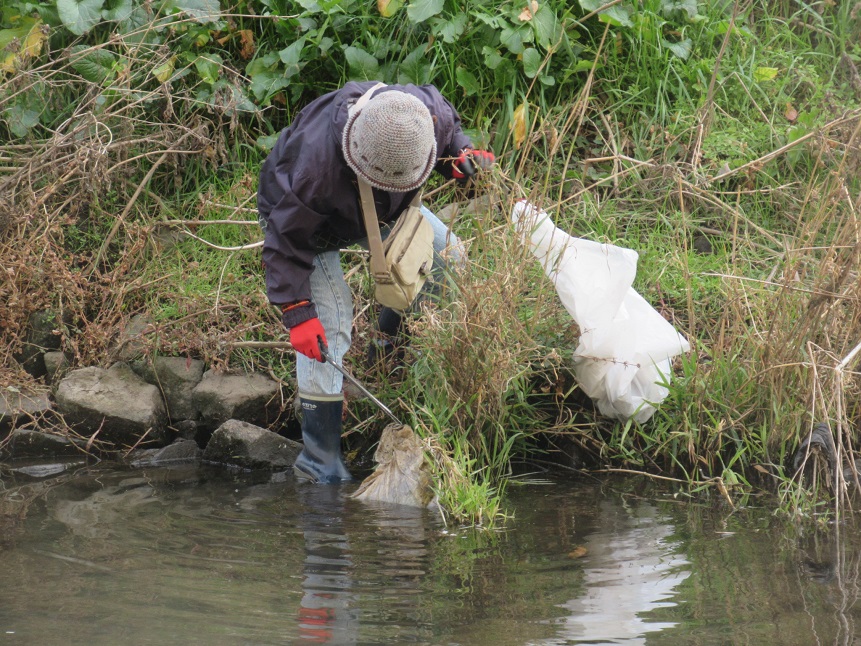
(358, 385)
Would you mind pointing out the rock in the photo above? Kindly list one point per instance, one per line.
(48, 469)
(42, 335)
(131, 343)
(702, 244)
(820, 442)
(176, 377)
(250, 397)
(481, 204)
(25, 443)
(251, 447)
(16, 404)
(179, 452)
(115, 402)
(55, 363)
(449, 211)
(187, 429)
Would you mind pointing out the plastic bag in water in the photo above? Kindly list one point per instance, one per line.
(403, 475)
(626, 347)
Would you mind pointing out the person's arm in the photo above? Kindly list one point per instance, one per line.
(457, 156)
(288, 255)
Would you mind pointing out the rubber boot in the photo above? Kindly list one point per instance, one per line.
(321, 460)
(390, 324)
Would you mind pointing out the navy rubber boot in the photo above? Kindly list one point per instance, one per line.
(321, 460)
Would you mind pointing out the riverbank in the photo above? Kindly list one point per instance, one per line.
(720, 143)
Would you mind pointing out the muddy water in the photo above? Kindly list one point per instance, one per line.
(196, 556)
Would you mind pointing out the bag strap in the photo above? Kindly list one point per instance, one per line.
(379, 269)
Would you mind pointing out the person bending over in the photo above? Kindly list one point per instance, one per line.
(309, 208)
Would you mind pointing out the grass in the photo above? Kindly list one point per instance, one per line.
(733, 172)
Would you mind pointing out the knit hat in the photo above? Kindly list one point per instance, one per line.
(390, 142)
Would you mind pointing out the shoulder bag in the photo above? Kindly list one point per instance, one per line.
(400, 266)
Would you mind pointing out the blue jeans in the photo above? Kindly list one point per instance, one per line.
(331, 295)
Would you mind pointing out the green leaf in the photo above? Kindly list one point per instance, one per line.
(265, 83)
(202, 11)
(796, 132)
(669, 7)
(226, 97)
(80, 16)
(309, 5)
(389, 8)
(328, 5)
(584, 65)
(131, 27)
(496, 22)
(761, 74)
(415, 68)
(267, 142)
(450, 30)
(268, 61)
(117, 10)
(29, 38)
(325, 45)
(617, 16)
(7, 36)
(682, 49)
(164, 71)
(467, 81)
(512, 39)
(291, 56)
(21, 118)
(492, 57)
(95, 65)
(209, 67)
(362, 64)
(420, 10)
(723, 26)
(532, 60)
(546, 26)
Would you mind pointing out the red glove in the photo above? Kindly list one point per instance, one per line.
(464, 166)
(306, 338)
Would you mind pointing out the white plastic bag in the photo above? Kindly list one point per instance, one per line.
(626, 346)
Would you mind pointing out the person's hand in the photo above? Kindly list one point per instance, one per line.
(307, 337)
(468, 160)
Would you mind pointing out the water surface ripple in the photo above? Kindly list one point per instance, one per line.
(192, 555)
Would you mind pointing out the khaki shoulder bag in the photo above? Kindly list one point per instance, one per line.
(400, 266)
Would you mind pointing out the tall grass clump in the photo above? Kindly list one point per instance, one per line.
(483, 381)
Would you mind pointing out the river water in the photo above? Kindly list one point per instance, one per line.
(195, 555)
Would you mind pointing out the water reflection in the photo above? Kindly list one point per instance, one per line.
(631, 566)
(327, 612)
(197, 556)
(831, 565)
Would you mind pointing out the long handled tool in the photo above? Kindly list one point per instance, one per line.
(324, 351)
(402, 475)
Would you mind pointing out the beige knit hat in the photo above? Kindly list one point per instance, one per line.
(390, 142)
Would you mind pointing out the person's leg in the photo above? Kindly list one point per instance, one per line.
(320, 385)
(447, 247)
